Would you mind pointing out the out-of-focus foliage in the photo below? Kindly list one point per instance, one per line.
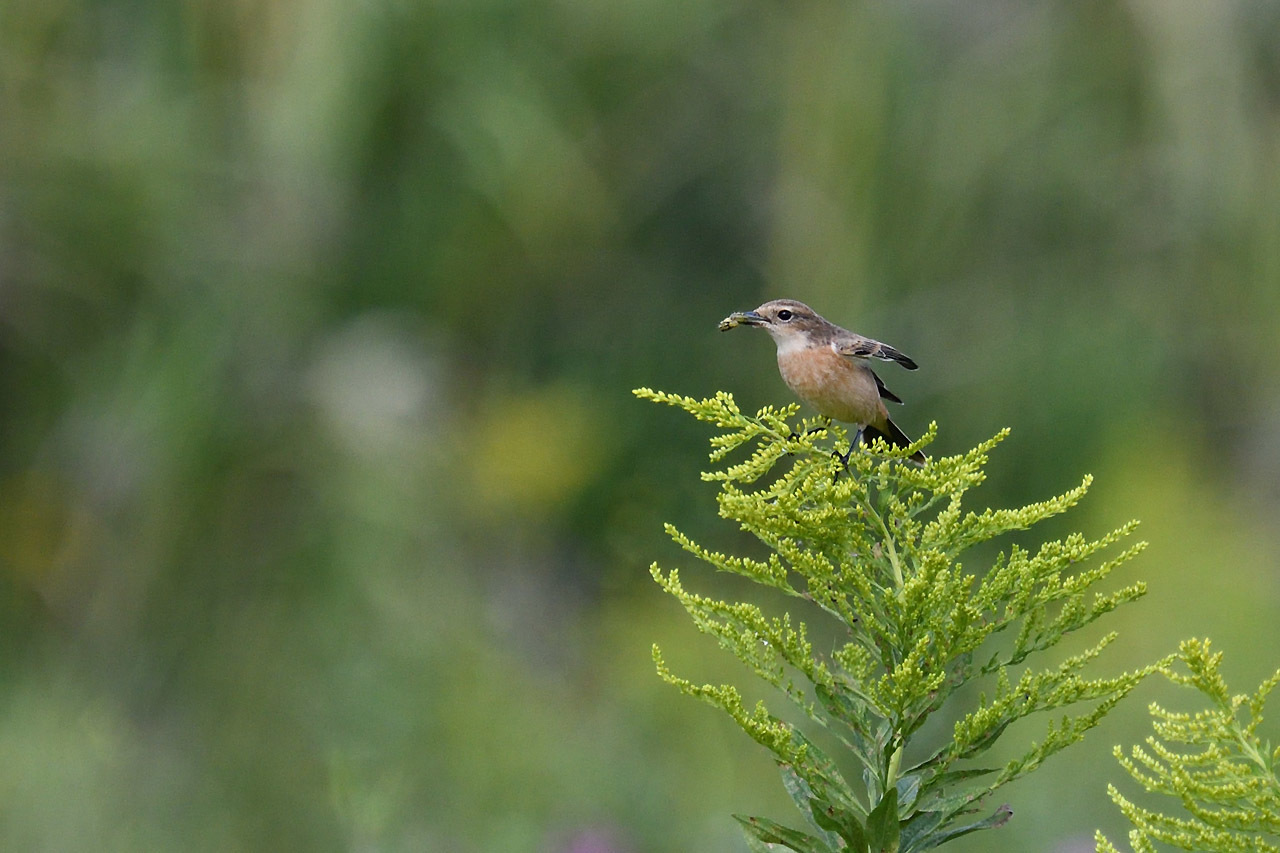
(324, 508)
(1214, 764)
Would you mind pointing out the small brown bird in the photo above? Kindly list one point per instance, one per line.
(826, 366)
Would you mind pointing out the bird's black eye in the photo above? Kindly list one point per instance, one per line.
(784, 315)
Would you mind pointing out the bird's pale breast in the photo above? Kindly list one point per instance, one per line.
(837, 386)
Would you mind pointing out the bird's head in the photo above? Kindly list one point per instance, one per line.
(785, 319)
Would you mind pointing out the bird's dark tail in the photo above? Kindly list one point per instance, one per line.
(893, 436)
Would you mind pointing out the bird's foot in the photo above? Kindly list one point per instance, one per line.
(844, 457)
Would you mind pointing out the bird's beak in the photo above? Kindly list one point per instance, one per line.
(742, 318)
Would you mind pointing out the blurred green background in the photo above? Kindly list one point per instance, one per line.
(325, 510)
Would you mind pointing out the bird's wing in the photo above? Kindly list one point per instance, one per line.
(856, 346)
(885, 393)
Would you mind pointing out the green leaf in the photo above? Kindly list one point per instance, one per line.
(770, 832)
(849, 708)
(999, 818)
(883, 833)
(755, 845)
(908, 790)
(831, 786)
(842, 823)
(810, 806)
(918, 828)
(935, 796)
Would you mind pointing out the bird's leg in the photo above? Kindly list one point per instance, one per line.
(854, 442)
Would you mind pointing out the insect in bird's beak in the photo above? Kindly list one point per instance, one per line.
(742, 318)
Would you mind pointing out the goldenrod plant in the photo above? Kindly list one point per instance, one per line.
(875, 546)
(1214, 763)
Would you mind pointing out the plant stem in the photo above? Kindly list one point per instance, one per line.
(889, 547)
(895, 763)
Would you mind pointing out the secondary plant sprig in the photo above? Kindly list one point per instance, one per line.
(1213, 763)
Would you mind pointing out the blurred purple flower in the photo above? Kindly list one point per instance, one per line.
(594, 840)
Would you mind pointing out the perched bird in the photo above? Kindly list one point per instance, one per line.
(826, 366)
